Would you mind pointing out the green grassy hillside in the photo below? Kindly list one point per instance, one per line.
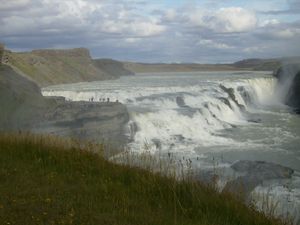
(47, 181)
(50, 66)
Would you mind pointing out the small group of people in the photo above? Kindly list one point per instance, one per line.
(102, 99)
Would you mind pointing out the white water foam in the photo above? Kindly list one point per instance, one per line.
(179, 118)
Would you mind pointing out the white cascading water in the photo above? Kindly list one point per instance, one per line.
(175, 118)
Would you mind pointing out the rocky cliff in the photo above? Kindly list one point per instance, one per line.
(289, 85)
(49, 67)
(21, 101)
(24, 108)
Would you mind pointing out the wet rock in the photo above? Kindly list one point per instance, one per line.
(265, 170)
(245, 95)
(226, 102)
(133, 129)
(293, 97)
(254, 120)
(255, 173)
(157, 143)
(230, 92)
(180, 101)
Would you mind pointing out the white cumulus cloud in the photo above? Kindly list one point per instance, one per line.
(235, 19)
(213, 44)
(134, 28)
(208, 30)
(224, 20)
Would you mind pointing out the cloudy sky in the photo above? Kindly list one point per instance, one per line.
(204, 31)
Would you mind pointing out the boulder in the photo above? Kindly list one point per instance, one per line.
(180, 101)
(254, 173)
(262, 169)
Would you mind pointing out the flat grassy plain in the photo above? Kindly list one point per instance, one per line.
(47, 180)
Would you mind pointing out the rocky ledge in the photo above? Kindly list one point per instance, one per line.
(98, 122)
(24, 108)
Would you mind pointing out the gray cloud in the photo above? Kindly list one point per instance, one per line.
(293, 8)
(129, 30)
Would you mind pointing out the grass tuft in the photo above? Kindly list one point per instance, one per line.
(47, 180)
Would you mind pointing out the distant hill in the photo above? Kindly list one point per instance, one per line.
(265, 64)
(258, 64)
(174, 67)
(247, 64)
(58, 66)
(48, 67)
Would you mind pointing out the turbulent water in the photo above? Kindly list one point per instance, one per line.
(204, 116)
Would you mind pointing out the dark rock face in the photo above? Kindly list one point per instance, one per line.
(226, 101)
(180, 101)
(293, 96)
(254, 173)
(286, 71)
(21, 101)
(24, 108)
(231, 95)
(245, 95)
(289, 82)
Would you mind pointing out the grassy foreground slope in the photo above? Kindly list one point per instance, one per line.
(43, 181)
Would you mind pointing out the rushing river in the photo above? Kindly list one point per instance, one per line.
(206, 117)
